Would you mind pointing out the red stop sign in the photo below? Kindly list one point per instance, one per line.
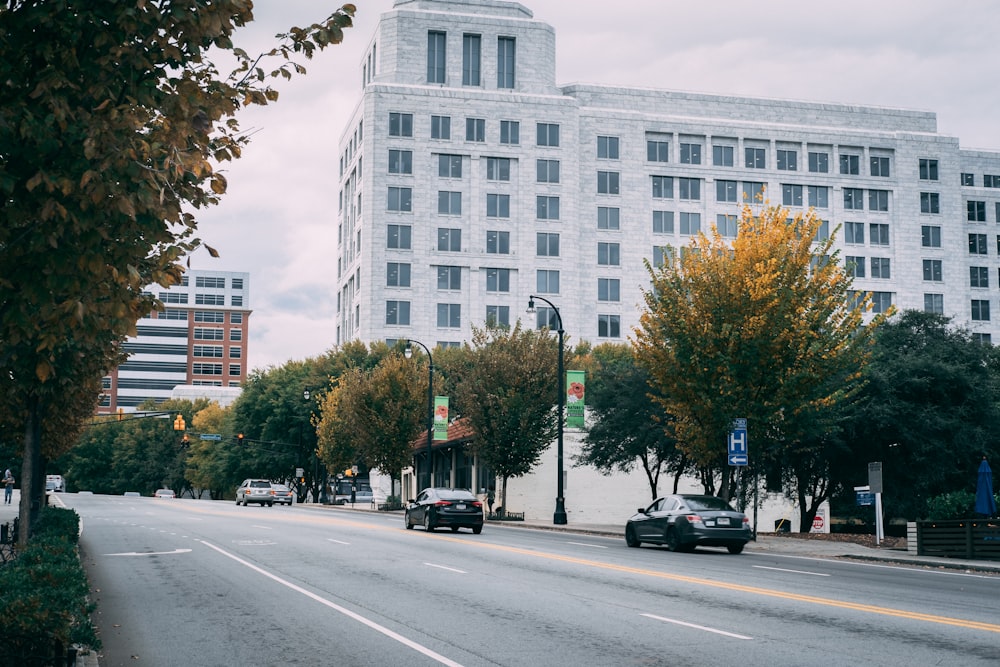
(818, 522)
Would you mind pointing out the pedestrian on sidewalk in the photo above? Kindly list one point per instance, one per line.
(8, 486)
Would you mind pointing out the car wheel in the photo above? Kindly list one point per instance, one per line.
(428, 526)
(270, 504)
(477, 529)
(406, 520)
(630, 538)
(454, 529)
(237, 502)
(735, 548)
(671, 539)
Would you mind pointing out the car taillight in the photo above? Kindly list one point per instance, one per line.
(693, 518)
(476, 503)
(746, 521)
(442, 503)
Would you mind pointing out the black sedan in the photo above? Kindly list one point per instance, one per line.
(683, 522)
(445, 508)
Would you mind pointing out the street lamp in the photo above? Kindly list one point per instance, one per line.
(408, 353)
(559, 517)
(322, 482)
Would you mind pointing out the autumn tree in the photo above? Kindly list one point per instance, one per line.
(764, 326)
(111, 118)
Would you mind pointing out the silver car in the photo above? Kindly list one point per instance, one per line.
(255, 491)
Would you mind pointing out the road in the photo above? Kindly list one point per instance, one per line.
(186, 582)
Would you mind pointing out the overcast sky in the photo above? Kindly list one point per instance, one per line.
(278, 218)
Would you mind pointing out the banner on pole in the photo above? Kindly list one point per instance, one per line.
(440, 417)
(576, 386)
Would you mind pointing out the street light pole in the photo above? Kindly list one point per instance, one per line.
(559, 517)
(430, 402)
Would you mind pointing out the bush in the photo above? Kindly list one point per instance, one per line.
(43, 595)
(949, 506)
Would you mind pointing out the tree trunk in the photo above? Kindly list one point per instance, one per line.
(503, 496)
(31, 462)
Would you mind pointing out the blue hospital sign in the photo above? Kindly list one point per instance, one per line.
(738, 451)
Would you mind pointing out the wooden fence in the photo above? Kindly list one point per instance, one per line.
(966, 538)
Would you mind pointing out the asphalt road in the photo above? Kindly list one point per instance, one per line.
(185, 582)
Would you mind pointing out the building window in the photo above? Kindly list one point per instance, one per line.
(722, 156)
(977, 244)
(211, 351)
(547, 281)
(930, 202)
(608, 217)
(449, 277)
(819, 196)
(690, 223)
(787, 160)
(854, 232)
(208, 334)
(725, 191)
(656, 151)
(440, 127)
(979, 276)
(546, 317)
(475, 129)
(450, 166)
(854, 199)
(547, 171)
(878, 234)
(236, 334)
(607, 148)
(237, 283)
(209, 299)
(400, 162)
(928, 169)
(727, 225)
(689, 188)
(210, 282)
(497, 242)
(510, 132)
(976, 211)
(400, 199)
(547, 208)
(497, 169)
(609, 326)
(235, 353)
(609, 182)
(173, 297)
(661, 255)
(879, 166)
(506, 61)
(855, 266)
(881, 301)
(791, 195)
(497, 206)
(497, 280)
(819, 163)
(436, 56)
(690, 153)
(397, 274)
(755, 158)
(930, 236)
(449, 203)
(449, 239)
(398, 237)
(400, 124)
(934, 303)
(880, 267)
(980, 310)
(498, 316)
(609, 254)
(663, 222)
(991, 181)
(608, 289)
(968, 179)
(850, 165)
(878, 200)
(236, 300)
(547, 244)
(753, 192)
(206, 369)
(449, 315)
(548, 134)
(823, 233)
(212, 317)
(173, 314)
(663, 187)
(234, 318)
(472, 48)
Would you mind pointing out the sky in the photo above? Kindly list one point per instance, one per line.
(278, 221)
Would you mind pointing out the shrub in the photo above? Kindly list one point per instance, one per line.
(954, 505)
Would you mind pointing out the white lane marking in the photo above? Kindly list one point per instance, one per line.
(442, 567)
(917, 566)
(782, 569)
(696, 627)
(151, 553)
(330, 539)
(262, 527)
(336, 607)
(584, 544)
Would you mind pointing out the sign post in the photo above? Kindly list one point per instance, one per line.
(739, 454)
(875, 486)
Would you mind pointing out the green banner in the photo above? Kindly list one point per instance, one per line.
(440, 417)
(576, 386)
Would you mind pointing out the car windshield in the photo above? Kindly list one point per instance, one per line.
(709, 503)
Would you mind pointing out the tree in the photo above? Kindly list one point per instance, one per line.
(629, 429)
(508, 396)
(764, 327)
(110, 120)
(205, 467)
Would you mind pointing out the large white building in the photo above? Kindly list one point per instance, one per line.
(469, 180)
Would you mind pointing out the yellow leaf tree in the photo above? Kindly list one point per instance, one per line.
(763, 327)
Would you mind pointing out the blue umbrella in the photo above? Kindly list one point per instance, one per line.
(985, 504)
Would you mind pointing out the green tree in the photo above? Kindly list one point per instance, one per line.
(207, 460)
(764, 327)
(508, 395)
(110, 120)
(628, 428)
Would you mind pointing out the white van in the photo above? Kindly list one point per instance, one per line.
(54, 483)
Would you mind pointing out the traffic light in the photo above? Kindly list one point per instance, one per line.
(121, 414)
(348, 473)
(239, 439)
(179, 424)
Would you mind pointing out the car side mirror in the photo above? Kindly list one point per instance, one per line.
(641, 510)
(411, 501)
